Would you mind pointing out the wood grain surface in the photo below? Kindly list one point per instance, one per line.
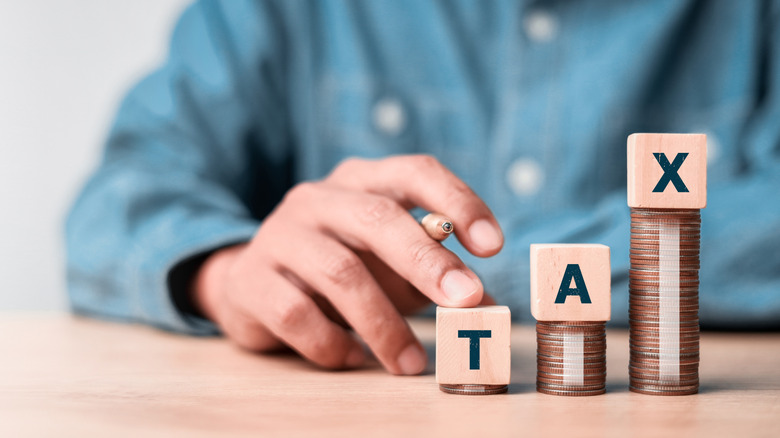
(68, 376)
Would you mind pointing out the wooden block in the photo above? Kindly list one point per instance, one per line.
(570, 282)
(667, 171)
(472, 345)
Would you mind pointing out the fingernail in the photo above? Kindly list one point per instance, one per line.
(412, 360)
(356, 357)
(485, 235)
(458, 286)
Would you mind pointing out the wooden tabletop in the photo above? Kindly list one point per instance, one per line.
(68, 376)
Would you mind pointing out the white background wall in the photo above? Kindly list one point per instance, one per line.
(64, 66)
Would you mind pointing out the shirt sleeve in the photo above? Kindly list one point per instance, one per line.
(195, 156)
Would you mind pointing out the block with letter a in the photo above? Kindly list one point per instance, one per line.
(570, 299)
(667, 171)
(473, 349)
(570, 282)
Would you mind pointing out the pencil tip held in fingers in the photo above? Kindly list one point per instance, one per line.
(438, 226)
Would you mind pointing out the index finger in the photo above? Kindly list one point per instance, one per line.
(421, 180)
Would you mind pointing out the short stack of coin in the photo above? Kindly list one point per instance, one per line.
(571, 357)
(664, 301)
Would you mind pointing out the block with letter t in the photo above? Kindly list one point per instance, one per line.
(570, 282)
(473, 349)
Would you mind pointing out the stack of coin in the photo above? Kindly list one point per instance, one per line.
(571, 357)
(664, 301)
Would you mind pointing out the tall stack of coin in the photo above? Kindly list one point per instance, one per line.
(667, 189)
(571, 301)
(571, 357)
(664, 301)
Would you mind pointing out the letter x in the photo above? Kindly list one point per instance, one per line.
(670, 172)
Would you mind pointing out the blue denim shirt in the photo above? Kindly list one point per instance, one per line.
(529, 102)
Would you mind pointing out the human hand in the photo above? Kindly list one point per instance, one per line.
(343, 252)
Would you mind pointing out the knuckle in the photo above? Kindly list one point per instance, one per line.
(347, 168)
(250, 337)
(299, 192)
(325, 352)
(386, 330)
(349, 165)
(426, 163)
(458, 193)
(423, 256)
(343, 268)
(379, 210)
(291, 313)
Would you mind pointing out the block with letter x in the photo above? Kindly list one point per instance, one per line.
(667, 171)
(570, 282)
(472, 345)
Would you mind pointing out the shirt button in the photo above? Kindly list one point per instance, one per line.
(389, 116)
(541, 26)
(713, 147)
(525, 177)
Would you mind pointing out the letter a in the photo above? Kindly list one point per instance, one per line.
(572, 271)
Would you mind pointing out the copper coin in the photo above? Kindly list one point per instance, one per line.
(554, 366)
(587, 381)
(564, 336)
(655, 338)
(691, 249)
(664, 382)
(571, 393)
(657, 317)
(549, 340)
(650, 391)
(556, 352)
(564, 325)
(685, 237)
(559, 358)
(651, 284)
(684, 212)
(654, 328)
(642, 274)
(650, 308)
(544, 369)
(561, 387)
(571, 323)
(648, 343)
(652, 249)
(651, 376)
(684, 369)
(653, 297)
(645, 297)
(654, 258)
(473, 389)
(655, 352)
(643, 229)
(559, 351)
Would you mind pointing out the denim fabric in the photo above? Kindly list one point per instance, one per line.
(529, 102)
